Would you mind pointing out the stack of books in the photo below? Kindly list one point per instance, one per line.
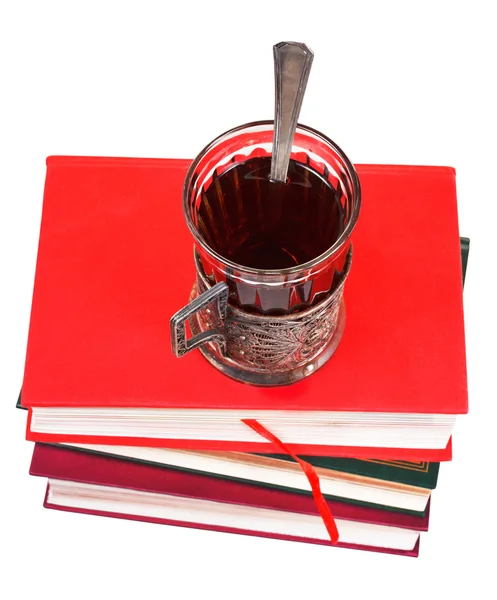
(125, 429)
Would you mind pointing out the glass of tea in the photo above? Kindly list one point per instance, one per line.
(271, 258)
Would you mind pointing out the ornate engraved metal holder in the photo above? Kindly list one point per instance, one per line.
(254, 348)
(265, 327)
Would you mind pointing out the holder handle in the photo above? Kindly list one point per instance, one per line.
(217, 295)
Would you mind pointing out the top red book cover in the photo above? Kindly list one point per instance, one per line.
(115, 262)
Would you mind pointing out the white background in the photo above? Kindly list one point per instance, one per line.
(399, 82)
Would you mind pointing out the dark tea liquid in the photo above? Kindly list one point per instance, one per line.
(257, 223)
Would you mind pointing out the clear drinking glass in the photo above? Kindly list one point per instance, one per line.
(265, 326)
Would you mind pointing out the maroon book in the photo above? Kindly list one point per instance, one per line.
(109, 486)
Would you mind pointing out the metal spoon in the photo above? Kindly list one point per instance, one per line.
(292, 65)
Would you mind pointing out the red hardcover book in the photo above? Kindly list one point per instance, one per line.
(96, 484)
(115, 262)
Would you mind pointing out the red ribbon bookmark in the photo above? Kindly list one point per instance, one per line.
(310, 473)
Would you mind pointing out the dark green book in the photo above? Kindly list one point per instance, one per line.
(464, 256)
(419, 474)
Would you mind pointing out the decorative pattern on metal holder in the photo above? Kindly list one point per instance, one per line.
(271, 344)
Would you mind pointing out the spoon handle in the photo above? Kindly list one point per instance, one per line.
(292, 65)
